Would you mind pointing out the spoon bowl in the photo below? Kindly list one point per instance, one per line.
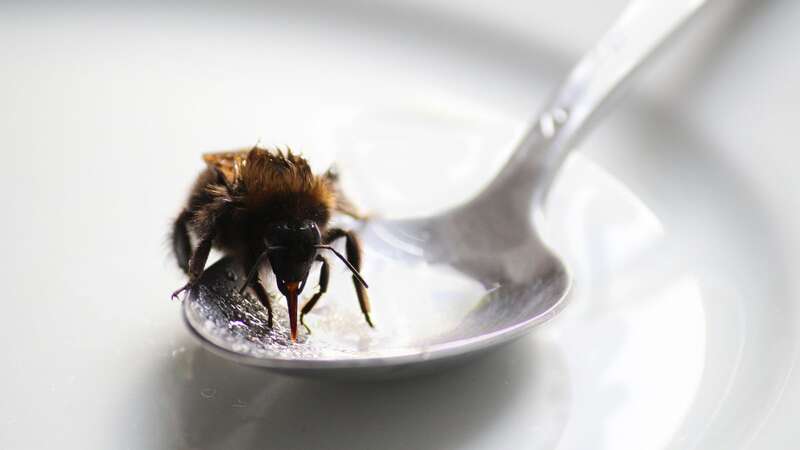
(458, 283)
(234, 326)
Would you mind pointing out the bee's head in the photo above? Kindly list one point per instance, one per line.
(293, 247)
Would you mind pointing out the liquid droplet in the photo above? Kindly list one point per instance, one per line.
(560, 115)
(551, 121)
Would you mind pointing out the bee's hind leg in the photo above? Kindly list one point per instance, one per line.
(181, 243)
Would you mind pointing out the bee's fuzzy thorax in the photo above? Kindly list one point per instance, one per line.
(264, 184)
(269, 173)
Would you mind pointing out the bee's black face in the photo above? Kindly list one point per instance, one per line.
(297, 241)
(292, 248)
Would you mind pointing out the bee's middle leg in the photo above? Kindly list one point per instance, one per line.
(197, 263)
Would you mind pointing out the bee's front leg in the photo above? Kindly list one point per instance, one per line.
(353, 247)
(324, 276)
(264, 298)
(253, 280)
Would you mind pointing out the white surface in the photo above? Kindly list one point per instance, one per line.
(678, 221)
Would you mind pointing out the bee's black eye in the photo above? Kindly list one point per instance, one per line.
(293, 234)
(279, 234)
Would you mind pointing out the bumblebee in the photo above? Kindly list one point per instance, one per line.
(266, 208)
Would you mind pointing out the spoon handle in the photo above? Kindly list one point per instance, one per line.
(603, 71)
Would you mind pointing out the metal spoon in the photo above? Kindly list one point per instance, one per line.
(491, 240)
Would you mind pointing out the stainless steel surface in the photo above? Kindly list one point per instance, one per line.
(515, 282)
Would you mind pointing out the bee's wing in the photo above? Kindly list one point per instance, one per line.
(229, 164)
(343, 204)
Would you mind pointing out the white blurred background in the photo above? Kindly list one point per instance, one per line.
(678, 217)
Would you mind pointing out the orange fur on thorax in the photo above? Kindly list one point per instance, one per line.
(265, 173)
(258, 175)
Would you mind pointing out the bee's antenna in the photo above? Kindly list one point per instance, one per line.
(349, 266)
(254, 269)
